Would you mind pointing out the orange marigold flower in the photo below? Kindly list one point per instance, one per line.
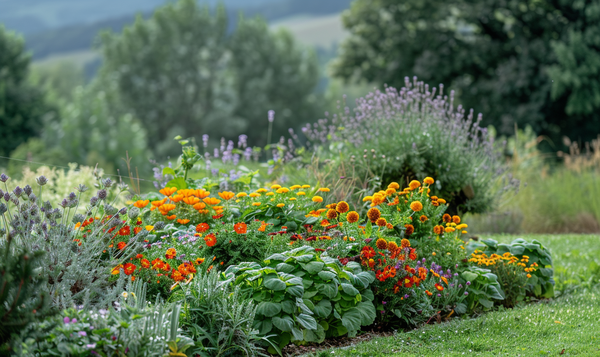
(176, 275)
(439, 287)
(240, 228)
(166, 208)
(447, 218)
(373, 214)
(129, 268)
(183, 221)
(256, 204)
(332, 214)
(159, 203)
(116, 270)
(428, 292)
(414, 184)
(191, 200)
(325, 223)
(444, 280)
(394, 185)
(121, 245)
(428, 180)
(145, 263)
(281, 205)
(177, 198)
(125, 231)
(210, 240)
(441, 201)
(389, 226)
(342, 207)
(377, 200)
(199, 261)
(170, 218)
(392, 246)
(456, 219)
(381, 222)
(438, 230)
(262, 227)
(171, 253)
(423, 218)
(416, 206)
(202, 227)
(367, 252)
(390, 191)
(449, 229)
(199, 206)
(324, 189)
(317, 199)
(168, 191)
(283, 190)
(352, 217)
(405, 243)
(202, 193)
(409, 229)
(381, 244)
(226, 195)
(211, 201)
(141, 203)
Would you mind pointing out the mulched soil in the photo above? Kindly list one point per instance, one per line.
(293, 350)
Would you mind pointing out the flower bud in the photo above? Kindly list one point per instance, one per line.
(42, 180)
(107, 183)
(94, 201)
(159, 225)
(27, 189)
(102, 194)
(134, 212)
(4, 178)
(18, 191)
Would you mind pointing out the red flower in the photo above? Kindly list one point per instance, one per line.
(137, 230)
(125, 231)
(413, 254)
(121, 245)
(218, 216)
(176, 275)
(145, 263)
(240, 228)
(202, 227)
(139, 256)
(129, 268)
(367, 252)
(210, 240)
(439, 287)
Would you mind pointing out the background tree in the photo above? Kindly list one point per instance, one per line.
(181, 73)
(495, 53)
(22, 107)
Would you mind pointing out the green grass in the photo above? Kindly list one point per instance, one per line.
(570, 321)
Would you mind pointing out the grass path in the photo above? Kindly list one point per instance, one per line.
(566, 326)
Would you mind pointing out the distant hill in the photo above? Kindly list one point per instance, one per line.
(53, 41)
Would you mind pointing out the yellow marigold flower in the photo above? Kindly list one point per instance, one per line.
(381, 222)
(254, 194)
(301, 193)
(342, 207)
(373, 214)
(256, 204)
(295, 187)
(414, 184)
(149, 228)
(292, 198)
(441, 201)
(433, 254)
(242, 194)
(352, 217)
(449, 229)
(324, 189)
(428, 180)
(283, 190)
(390, 191)
(317, 199)
(528, 275)
(261, 190)
(464, 232)
(270, 194)
(394, 185)
(368, 198)
(377, 200)
(461, 226)
(305, 186)
(416, 206)
(405, 243)
(381, 244)
(456, 219)
(280, 205)
(275, 187)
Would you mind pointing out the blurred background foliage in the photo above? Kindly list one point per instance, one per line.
(101, 83)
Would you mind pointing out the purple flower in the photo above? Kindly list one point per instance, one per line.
(466, 293)
(368, 240)
(460, 286)
(205, 140)
(439, 295)
(82, 333)
(468, 283)
(67, 320)
(91, 345)
(406, 296)
(382, 312)
(4, 178)
(384, 302)
(271, 114)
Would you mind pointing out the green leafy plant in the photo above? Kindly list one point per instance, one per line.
(303, 297)
(541, 283)
(219, 318)
(482, 288)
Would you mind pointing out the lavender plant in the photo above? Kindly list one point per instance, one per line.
(410, 133)
(72, 272)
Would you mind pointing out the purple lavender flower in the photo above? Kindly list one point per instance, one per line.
(66, 320)
(468, 283)
(18, 191)
(406, 296)
(82, 333)
(466, 293)
(205, 140)
(271, 115)
(460, 286)
(4, 178)
(439, 295)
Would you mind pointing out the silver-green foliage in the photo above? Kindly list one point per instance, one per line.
(219, 318)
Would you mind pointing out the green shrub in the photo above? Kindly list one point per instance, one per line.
(219, 319)
(406, 134)
(541, 283)
(303, 297)
(482, 288)
(135, 328)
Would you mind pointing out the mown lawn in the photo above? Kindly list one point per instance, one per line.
(568, 325)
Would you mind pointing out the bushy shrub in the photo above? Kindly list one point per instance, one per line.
(406, 134)
(219, 318)
(541, 281)
(304, 297)
(483, 288)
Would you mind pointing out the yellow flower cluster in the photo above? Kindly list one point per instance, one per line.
(482, 259)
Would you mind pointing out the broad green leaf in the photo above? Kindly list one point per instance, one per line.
(323, 308)
(268, 309)
(305, 258)
(295, 290)
(351, 319)
(264, 327)
(169, 171)
(486, 303)
(460, 308)
(277, 256)
(284, 323)
(367, 312)
(307, 321)
(288, 306)
(314, 267)
(328, 289)
(178, 182)
(469, 276)
(285, 268)
(326, 275)
(317, 335)
(275, 284)
(297, 334)
(349, 289)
